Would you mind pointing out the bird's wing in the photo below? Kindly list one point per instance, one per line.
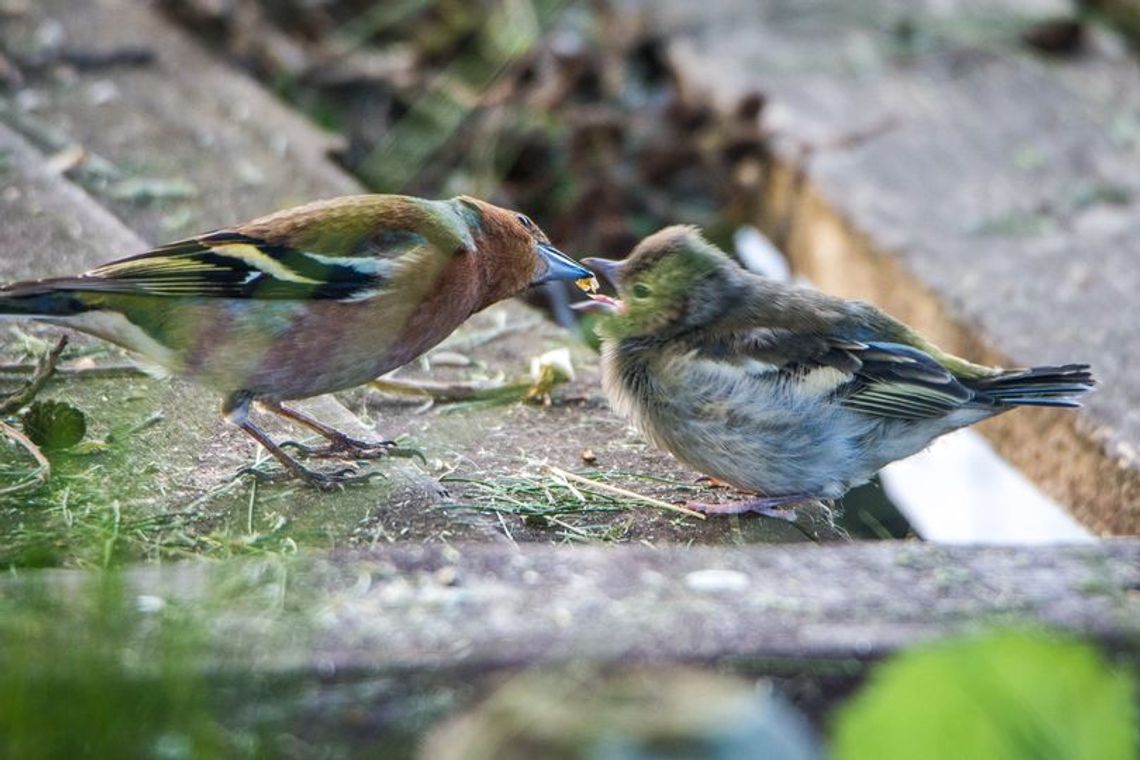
(903, 382)
(338, 249)
(230, 264)
(874, 377)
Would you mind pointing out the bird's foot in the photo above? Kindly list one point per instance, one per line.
(346, 447)
(322, 481)
(769, 506)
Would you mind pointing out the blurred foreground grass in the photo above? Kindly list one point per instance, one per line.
(95, 674)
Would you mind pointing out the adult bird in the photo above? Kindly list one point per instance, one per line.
(306, 301)
(782, 390)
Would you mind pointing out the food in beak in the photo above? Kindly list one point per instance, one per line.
(589, 285)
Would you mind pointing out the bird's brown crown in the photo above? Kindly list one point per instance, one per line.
(506, 245)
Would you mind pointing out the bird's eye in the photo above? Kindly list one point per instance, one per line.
(641, 290)
(525, 221)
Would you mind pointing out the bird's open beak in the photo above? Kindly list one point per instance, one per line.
(607, 268)
(556, 265)
(599, 303)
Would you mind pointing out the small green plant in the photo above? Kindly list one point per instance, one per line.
(54, 425)
(1010, 694)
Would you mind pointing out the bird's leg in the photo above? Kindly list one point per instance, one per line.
(769, 506)
(340, 445)
(236, 411)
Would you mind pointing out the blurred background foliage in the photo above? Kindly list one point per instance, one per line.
(566, 110)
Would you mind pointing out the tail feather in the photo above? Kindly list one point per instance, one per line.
(40, 299)
(1037, 386)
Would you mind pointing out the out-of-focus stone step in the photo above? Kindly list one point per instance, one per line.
(435, 607)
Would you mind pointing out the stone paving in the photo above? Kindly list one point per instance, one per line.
(978, 189)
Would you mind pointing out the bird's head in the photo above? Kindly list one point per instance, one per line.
(673, 281)
(514, 253)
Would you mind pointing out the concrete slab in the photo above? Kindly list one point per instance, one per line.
(992, 202)
(215, 147)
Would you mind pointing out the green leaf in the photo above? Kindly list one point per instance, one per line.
(1010, 695)
(54, 425)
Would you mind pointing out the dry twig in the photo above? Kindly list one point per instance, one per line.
(607, 488)
(42, 472)
(45, 368)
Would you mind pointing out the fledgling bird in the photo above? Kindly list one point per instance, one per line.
(781, 390)
(306, 301)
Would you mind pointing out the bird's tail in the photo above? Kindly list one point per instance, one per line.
(40, 299)
(1038, 386)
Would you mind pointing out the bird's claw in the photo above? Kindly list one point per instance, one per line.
(301, 448)
(338, 479)
(262, 476)
(323, 481)
(347, 448)
(352, 448)
(402, 453)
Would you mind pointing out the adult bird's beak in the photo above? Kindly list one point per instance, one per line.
(556, 265)
(608, 268)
